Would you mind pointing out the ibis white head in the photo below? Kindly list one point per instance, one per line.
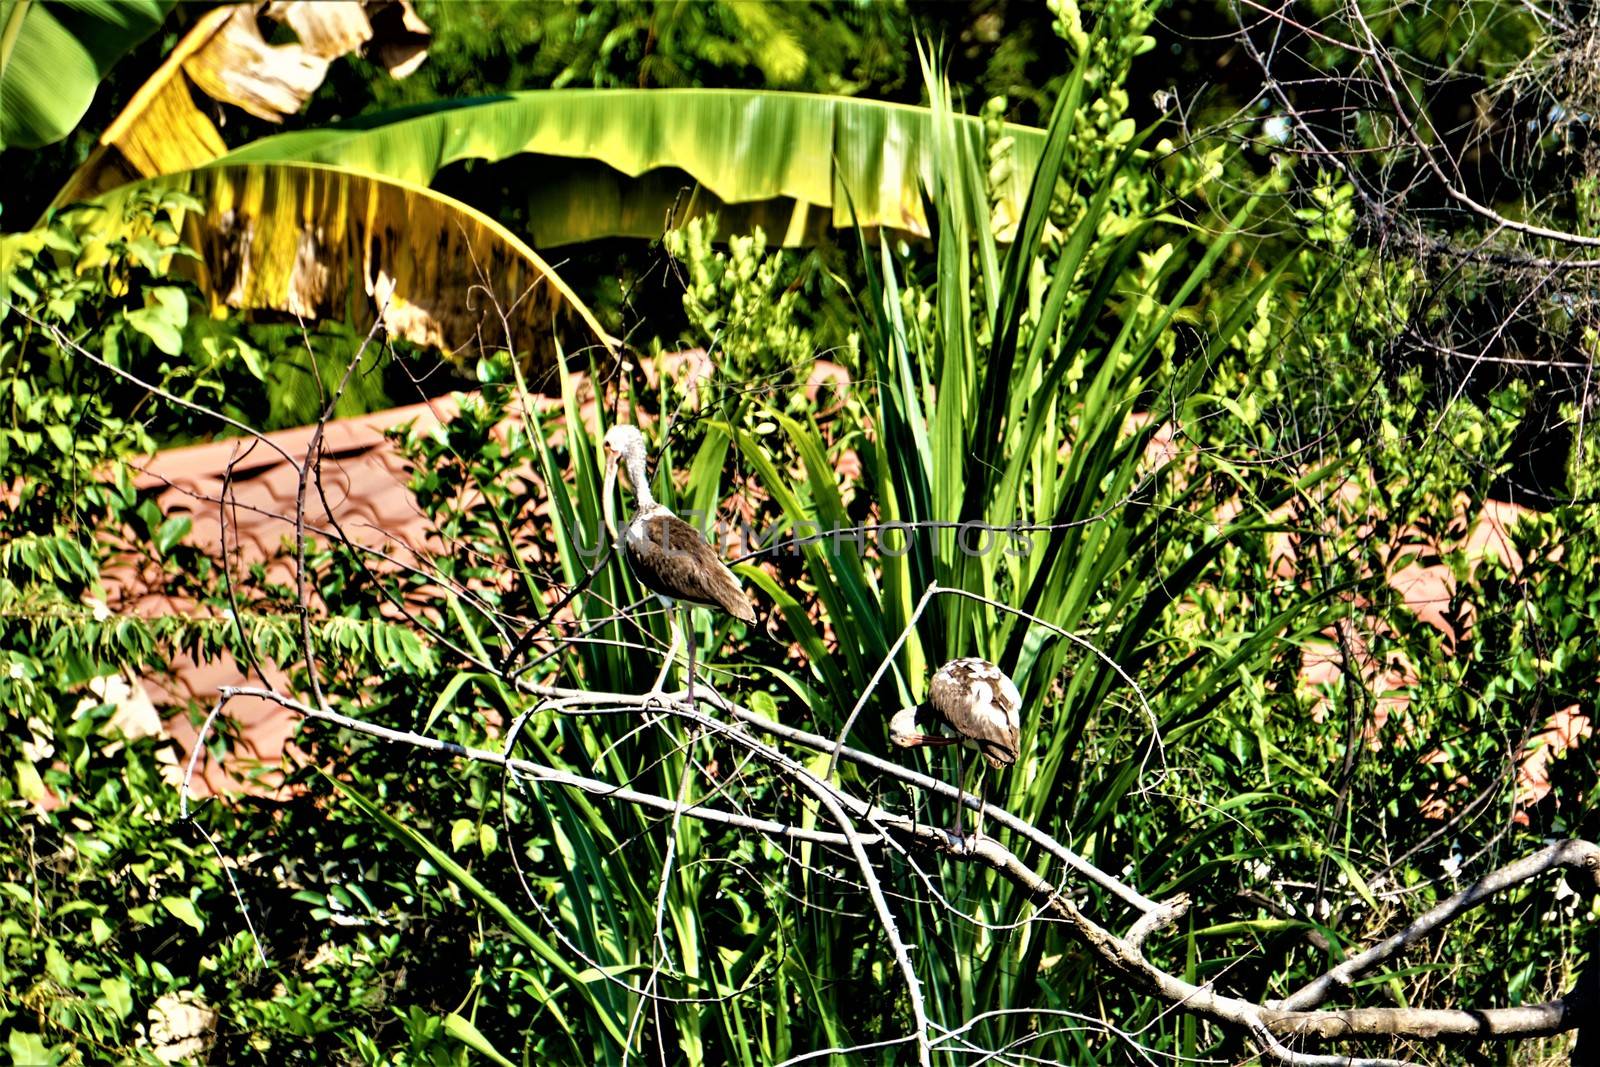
(622, 442)
(623, 438)
(903, 729)
(624, 446)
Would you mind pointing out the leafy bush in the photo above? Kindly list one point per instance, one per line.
(1149, 391)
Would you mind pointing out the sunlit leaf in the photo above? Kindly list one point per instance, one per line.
(460, 1028)
(53, 55)
(119, 994)
(171, 531)
(183, 909)
(617, 162)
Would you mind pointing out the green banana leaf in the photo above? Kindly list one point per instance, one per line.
(332, 222)
(626, 162)
(53, 55)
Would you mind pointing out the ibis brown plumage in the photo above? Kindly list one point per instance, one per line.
(667, 555)
(971, 704)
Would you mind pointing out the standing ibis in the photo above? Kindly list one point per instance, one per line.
(667, 555)
(971, 704)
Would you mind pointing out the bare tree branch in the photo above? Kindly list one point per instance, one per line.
(1270, 1023)
(1579, 856)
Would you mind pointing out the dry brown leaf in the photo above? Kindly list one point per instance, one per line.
(224, 55)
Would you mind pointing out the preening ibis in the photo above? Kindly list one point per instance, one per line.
(667, 555)
(971, 704)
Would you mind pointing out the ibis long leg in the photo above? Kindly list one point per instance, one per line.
(977, 833)
(961, 792)
(692, 634)
(672, 651)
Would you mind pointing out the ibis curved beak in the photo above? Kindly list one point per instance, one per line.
(608, 493)
(906, 732)
(903, 730)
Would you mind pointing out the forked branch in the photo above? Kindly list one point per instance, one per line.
(864, 825)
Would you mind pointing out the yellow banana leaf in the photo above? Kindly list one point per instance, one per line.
(314, 241)
(224, 56)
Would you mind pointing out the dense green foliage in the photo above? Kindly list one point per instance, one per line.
(1181, 384)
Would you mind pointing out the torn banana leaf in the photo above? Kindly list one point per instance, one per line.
(319, 242)
(627, 162)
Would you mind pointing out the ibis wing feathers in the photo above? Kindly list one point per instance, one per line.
(978, 701)
(672, 558)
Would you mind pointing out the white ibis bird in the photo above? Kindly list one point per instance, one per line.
(971, 704)
(667, 555)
